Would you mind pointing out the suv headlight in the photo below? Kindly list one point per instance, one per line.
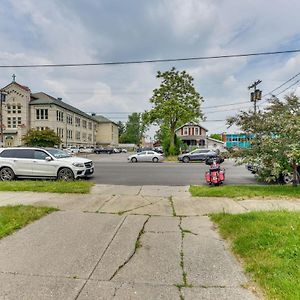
(78, 165)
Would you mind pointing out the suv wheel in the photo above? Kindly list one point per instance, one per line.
(7, 174)
(65, 174)
(186, 159)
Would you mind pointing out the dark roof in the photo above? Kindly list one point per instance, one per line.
(42, 98)
(191, 124)
(102, 119)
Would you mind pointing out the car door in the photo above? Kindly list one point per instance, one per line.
(43, 167)
(142, 156)
(195, 155)
(150, 155)
(21, 160)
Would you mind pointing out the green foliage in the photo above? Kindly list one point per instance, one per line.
(13, 218)
(121, 127)
(49, 186)
(247, 191)
(41, 138)
(134, 129)
(268, 243)
(175, 102)
(275, 136)
(216, 136)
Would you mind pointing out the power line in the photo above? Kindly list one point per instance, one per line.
(150, 60)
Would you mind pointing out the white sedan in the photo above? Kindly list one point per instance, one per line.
(146, 156)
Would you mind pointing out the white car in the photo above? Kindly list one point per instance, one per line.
(146, 156)
(42, 163)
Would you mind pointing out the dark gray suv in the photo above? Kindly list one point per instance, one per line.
(197, 155)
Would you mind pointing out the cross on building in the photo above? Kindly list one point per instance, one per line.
(14, 77)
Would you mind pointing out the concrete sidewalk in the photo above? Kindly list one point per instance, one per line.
(123, 242)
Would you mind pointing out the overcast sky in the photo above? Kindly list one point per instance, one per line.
(89, 31)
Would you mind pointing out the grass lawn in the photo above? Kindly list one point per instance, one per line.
(77, 186)
(246, 191)
(16, 217)
(171, 158)
(269, 245)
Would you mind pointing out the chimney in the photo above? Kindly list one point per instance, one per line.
(224, 137)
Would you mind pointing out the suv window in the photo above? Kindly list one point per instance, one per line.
(17, 153)
(40, 154)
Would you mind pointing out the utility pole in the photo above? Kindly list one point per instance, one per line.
(256, 94)
(2, 99)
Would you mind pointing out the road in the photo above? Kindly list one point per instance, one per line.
(114, 169)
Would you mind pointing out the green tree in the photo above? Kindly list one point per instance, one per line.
(216, 136)
(41, 138)
(175, 102)
(274, 135)
(134, 129)
(121, 127)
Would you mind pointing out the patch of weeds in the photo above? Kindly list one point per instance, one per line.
(172, 205)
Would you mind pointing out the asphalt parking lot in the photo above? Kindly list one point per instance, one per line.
(115, 169)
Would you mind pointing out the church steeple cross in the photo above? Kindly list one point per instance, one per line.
(14, 77)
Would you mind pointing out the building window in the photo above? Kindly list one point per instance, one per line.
(185, 131)
(70, 119)
(89, 137)
(84, 123)
(14, 122)
(13, 109)
(19, 109)
(77, 121)
(70, 134)
(90, 125)
(77, 135)
(8, 109)
(59, 116)
(196, 130)
(41, 114)
(19, 121)
(84, 136)
(60, 132)
(9, 122)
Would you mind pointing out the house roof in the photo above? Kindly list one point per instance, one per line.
(215, 140)
(102, 119)
(42, 98)
(25, 88)
(191, 124)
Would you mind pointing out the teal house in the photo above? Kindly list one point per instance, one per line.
(238, 140)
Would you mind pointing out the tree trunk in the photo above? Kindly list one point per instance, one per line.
(295, 174)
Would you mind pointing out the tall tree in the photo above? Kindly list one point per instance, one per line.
(134, 129)
(41, 138)
(121, 127)
(175, 102)
(216, 136)
(274, 136)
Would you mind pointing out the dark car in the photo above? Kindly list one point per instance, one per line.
(103, 150)
(197, 155)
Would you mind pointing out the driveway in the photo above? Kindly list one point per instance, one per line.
(121, 242)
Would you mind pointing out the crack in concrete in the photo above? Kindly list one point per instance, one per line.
(106, 201)
(184, 283)
(132, 209)
(172, 206)
(114, 235)
(137, 245)
(139, 191)
(116, 289)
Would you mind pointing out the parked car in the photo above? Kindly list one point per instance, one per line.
(146, 156)
(73, 149)
(42, 163)
(103, 150)
(197, 155)
(283, 178)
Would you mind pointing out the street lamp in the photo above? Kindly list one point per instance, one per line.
(2, 99)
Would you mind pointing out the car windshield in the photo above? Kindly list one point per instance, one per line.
(57, 153)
